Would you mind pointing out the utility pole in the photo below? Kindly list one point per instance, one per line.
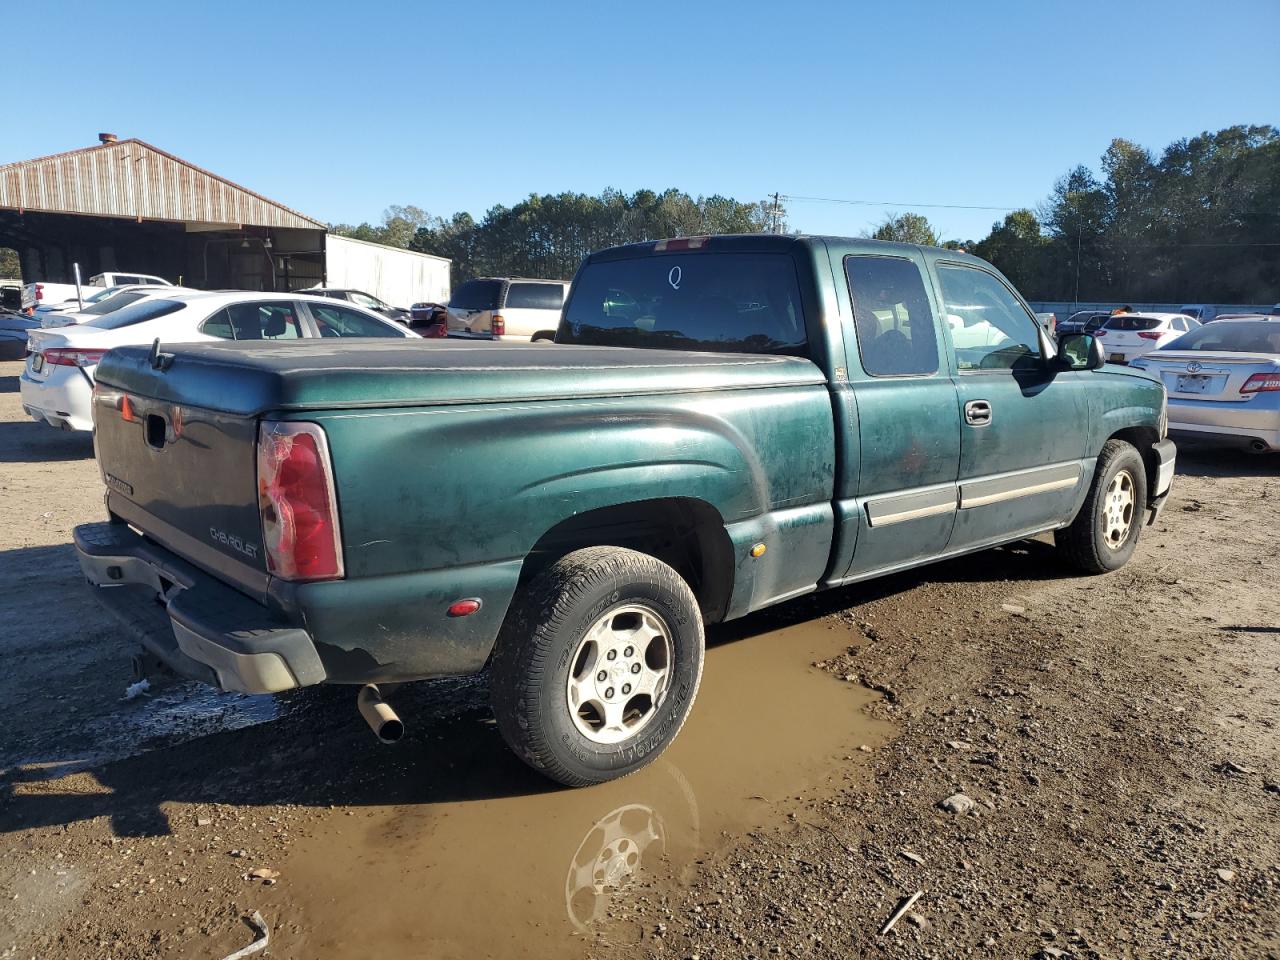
(774, 218)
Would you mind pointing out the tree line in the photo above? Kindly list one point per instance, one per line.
(548, 235)
(1199, 222)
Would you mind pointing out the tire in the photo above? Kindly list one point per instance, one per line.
(555, 647)
(1095, 542)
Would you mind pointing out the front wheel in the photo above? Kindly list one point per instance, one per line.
(597, 665)
(1105, 532)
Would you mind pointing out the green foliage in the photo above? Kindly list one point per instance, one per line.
(906, 228)
(1200, 223)
(548, 235)
(9, 266)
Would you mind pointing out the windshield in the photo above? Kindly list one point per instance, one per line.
(1127, 322)
(1256, 336)
(736, 302)
(112, 304)
(135, 313)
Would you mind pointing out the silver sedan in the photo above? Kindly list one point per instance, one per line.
(1223, 382)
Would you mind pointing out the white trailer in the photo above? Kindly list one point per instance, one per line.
(398, 277)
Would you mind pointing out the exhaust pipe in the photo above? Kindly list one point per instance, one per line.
(1259, 446)
(377, 713)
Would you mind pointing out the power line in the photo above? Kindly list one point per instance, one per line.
(888, 203)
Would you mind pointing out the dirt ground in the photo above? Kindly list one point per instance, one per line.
(1113, 741)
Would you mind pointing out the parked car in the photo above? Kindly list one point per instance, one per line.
(57, 383)
(1085, 321)
(1275, 310)
(43, 294)
(429, 319)
(361, 299)
(571, 516)
(14, 330)
(1223, 382)
(10, 295)
(110, 300)
(1200, 312)
(507, 308)
(1129, 335)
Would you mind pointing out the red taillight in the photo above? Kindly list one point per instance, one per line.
(1099, 333)
(1261, 383)
(297, 502)
(1150, 334)
(69, 357)
(498, 326)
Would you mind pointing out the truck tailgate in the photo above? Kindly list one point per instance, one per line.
(186, 477)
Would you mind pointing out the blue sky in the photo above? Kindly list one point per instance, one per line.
(339, 109)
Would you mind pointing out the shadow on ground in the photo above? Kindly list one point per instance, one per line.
(29, 441)
(1202, 460)
(8, 384)
(319, 753)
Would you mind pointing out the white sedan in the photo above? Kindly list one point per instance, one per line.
(1129, 335)
(57, 384)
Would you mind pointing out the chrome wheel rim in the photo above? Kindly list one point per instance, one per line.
(619, 674)
(1117, 510)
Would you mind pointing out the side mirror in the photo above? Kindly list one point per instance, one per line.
(1081, 351)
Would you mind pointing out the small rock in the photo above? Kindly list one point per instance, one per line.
(1013, 608)
(1225, 875)
(864, 748)
(913, 857)
(264, 873)
(203, 822)
(235, 853)
(959, 745)
(917, 921)
(957, 803)
(1196, 914)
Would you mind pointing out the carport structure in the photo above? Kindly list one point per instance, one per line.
(125, 205)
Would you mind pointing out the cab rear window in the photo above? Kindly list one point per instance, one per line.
(727, 302)
(477, 295)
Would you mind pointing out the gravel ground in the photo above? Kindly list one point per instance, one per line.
(1109, 746)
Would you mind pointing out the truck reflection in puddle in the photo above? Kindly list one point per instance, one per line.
(529, 869)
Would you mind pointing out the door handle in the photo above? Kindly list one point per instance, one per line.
(977, 413)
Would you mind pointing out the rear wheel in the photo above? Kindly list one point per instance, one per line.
(597, 665)
(1105, 532)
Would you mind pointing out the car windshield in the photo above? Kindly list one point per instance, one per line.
(138, 312)
(1128, 322)
(112, 304)
(1234, 336)
(736, 302)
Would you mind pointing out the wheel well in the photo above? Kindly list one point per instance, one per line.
(1144, 440)
(685, 533)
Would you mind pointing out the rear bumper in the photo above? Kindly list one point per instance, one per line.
(62, 400)
(1231, 422)
(199, 626)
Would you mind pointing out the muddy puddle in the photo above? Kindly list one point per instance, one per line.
(496, 862)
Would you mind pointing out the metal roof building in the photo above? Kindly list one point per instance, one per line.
(128, 206)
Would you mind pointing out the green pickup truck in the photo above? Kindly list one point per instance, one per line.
(722, 424)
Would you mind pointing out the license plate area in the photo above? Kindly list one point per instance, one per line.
(37, 362)
(1193, 383)
(1117, 358)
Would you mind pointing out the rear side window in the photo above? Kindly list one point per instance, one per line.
(219, 325)
(335, 321)
(535, 296)
(896, 336)
(1131, 323)
(135, 313)
(264, 321)
(727, 302)
(477, 295)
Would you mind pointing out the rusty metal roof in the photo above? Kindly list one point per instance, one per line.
(131, 178)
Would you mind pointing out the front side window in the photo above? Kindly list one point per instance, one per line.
(535, 296)
(264, 321)
(335, 321)
(891, 316)
(723, 302)
(989, 328)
